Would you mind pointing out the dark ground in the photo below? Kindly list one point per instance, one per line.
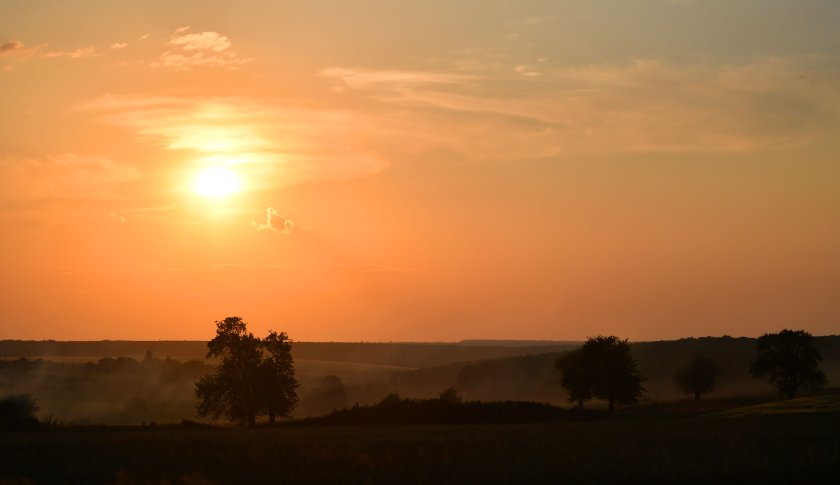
(798, 448)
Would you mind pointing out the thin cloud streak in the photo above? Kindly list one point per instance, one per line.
(64, 176)
(80, 53)
(272, 145)
(643, 106)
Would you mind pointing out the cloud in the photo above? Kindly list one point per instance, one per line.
(144, 37)
(10, 47)
(117, 217)
(275, 222)
(119, 45)
(527, 71)
(66, 176)
(13, 52)
(203, 49)
(366, 79)
(204, 41)
(272, 145)
(648, 105)
(79, 53)
(492, 113)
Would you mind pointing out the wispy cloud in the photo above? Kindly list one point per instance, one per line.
(119, 45)
(14, 51)
(117, 217)
(272, 145)
(10, 47)
(527, 70)
(80, 53)
(203, 49)
(204, 41)
(66, 176)
(275, 222)
(496, 113)
(367, 79)
(640, 106)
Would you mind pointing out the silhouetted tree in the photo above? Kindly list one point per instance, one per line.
(232, 388)
(614, 372)
(18, 412)
(697, 377)
(603, 368)
(391, 399)
(253, 375)
(450, 395)
(277, 383)
(789, 361)
(573, 377)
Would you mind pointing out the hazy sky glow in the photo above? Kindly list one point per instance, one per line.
(435, 170)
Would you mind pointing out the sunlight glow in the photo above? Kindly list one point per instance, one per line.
(217, 182)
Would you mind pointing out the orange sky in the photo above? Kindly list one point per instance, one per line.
(423, 171)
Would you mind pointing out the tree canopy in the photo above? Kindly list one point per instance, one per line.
(254, 376)
(789, 361)
(17, 412)
(574, 377)
(698, 377)
(603, 368)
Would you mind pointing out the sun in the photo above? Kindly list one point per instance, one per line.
(217, 182)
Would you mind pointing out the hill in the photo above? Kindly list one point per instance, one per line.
(823, 403)
(402, 354)
(532, 377)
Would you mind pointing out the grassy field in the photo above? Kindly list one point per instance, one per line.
(801, 448)
(825, 403)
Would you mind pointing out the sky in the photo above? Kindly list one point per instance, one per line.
(419, 171)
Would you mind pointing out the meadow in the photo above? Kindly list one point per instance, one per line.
(510, 435)
(788, 448)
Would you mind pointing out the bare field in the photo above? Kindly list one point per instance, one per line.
(773, 449)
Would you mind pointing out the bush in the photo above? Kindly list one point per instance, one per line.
(18, 412)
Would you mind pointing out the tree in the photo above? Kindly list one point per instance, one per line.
(252, 377)
(574, 377)
(603, 368)
(697, 377)
(18, 412)
(789, 361)
(450, 395)
(277, 376)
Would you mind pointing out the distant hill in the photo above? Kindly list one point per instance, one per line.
(517, 343)
(88, 382)
(401, 354)
(532, 377)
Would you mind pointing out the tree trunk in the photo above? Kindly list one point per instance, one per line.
(271, 415)
(696, 395)
(252, 421)
(612, 405)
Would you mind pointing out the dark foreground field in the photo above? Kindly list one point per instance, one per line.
(797, 448)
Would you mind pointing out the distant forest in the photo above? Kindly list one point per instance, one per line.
(129, 382)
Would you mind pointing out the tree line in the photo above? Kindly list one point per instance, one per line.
(604, 368)
(255, 377)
